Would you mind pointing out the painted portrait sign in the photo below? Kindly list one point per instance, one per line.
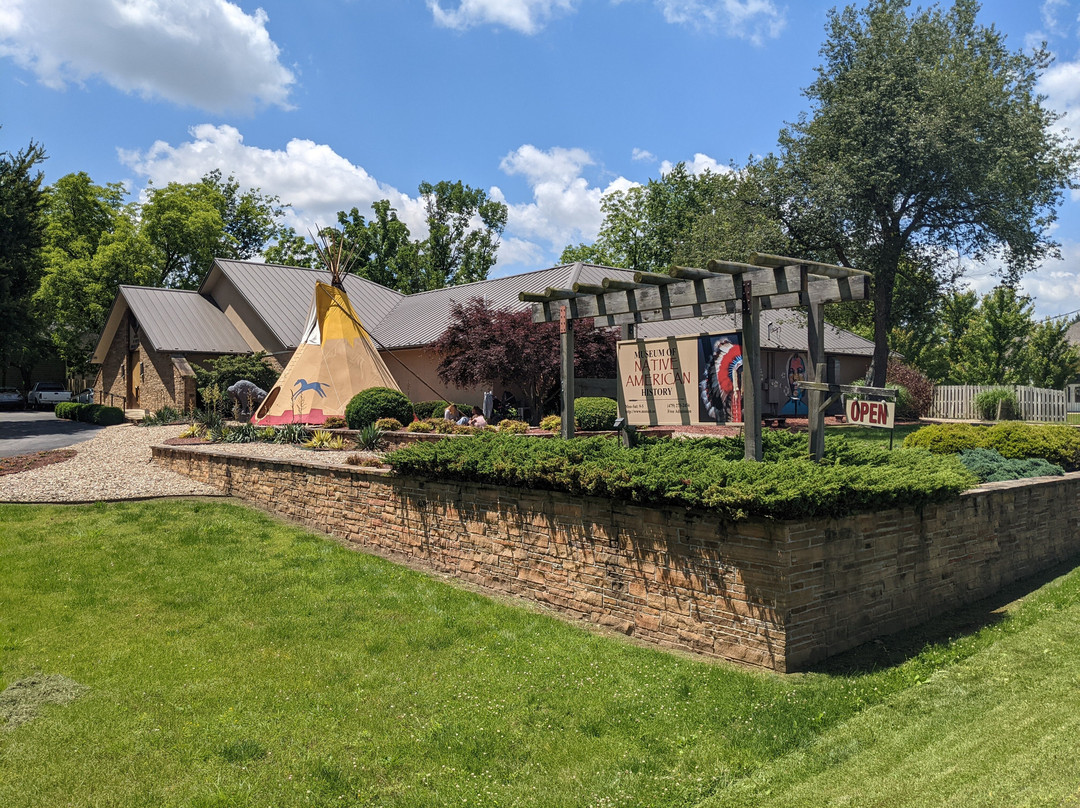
(682, 380)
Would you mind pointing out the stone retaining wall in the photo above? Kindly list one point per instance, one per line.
(776, 595)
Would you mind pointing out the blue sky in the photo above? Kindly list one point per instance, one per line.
(546, 104)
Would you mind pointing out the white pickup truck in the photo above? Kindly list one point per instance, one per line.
(47, 394)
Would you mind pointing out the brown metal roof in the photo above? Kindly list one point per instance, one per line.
(281, 295)
(176, 321)
(420, 319)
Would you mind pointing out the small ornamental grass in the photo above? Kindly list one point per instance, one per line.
(703, 473)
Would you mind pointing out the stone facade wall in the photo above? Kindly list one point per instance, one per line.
(776, 595)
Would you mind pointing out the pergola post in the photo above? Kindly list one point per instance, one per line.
(566, 349)
(815, 399)
(751, 381)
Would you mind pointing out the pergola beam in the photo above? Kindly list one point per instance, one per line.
(813, 267)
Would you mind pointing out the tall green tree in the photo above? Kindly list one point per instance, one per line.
(190, 224)
(994, 347)
(92, 246)
(22, 234)
(1052, 361)
(464, 229)
(927, 137)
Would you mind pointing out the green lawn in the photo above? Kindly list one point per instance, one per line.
(231, 660)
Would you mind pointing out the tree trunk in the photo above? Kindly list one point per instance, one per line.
(884, 285)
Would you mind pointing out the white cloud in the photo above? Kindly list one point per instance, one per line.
(565, 207)
(524, 16)
(310, 176)
(754, 20)
(1050, 10)
(642, 155)
(1061, 85)
(699, 165)
(1054, 287)
(203, 53)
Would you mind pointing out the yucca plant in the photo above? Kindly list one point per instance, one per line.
(291, 433)
(370, 439)
(322, 439)
(194, 431)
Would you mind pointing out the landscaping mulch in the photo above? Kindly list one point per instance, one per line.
(34, 460)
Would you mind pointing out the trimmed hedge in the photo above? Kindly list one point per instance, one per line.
(368, 406)
(1056, 443)
(697, 473)
(595, 414)
(90, 413)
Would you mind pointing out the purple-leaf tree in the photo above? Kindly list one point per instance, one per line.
(485, 346)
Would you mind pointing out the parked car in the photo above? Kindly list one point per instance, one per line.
(11, 399)
(47, 394)
(86, 396)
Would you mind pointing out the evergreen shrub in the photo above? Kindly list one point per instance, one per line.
(991, 467)
(595, 414)
(388, 424)
(695, 473)
(368, 406)
(551, 423)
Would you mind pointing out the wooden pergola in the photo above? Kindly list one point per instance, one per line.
(722, 287)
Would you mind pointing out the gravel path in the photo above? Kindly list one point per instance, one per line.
(115, 464)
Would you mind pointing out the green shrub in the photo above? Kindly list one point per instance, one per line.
(440, 425)
(990, 466)
(368, 406)
(430, 409)
(691, 473)
(335, 422)
(66, 409)
(551, 423)
(101, 415)
(947, 438)
(999, 404)
(1057, 443)
(595, 414)
(419, 426)
(513, 427)
(388, 424)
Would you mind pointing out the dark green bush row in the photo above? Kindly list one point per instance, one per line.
(697, 473)
(1056, 443)
(90, 413)
(990, 467)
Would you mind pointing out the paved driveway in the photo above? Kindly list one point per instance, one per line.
(26, 431)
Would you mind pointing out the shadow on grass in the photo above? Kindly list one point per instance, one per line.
(895, 649)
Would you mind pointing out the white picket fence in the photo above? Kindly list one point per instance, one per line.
(957, 402)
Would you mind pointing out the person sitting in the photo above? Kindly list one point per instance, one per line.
(452, 413)
(477, 418)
